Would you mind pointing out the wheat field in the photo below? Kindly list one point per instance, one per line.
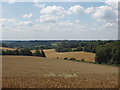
(5, 48)
(36, 72)
(87, 56)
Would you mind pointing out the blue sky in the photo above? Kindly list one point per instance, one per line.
(59, 20)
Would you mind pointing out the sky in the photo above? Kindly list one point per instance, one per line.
(59, 20)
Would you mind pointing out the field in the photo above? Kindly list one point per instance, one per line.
(52, 54)
(36, 72)
(87, 56)
(5, 48)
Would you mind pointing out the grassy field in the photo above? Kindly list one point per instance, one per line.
(36, 72)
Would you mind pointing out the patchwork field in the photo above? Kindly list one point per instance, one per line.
(5, 48)
(36, 72)
(87, 56)
(52, 54)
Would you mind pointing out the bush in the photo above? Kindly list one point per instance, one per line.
(66, 58)
(82, 60)
(72, 59)
(37, 53)
(25, 52)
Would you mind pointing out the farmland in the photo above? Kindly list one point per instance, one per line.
(87, 56)
(30, 71)
(38, 72)
(51, 53)
(6, 48)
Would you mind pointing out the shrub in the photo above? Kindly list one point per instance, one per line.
(72, 59)
(65, 58)
(82, 60)
(37, 53)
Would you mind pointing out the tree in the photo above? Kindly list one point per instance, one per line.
(43, 54)
(79, 48)
(25, 52)
(37, 53)
(115, 56)
(9, 52)
(3, 45)
(16, 52)
(108, 53)
(103, 54)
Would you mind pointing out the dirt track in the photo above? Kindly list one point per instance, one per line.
(36, 72)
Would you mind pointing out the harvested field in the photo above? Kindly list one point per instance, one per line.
(36, 72)
(51, 53)
(5, 48)
(87, 56)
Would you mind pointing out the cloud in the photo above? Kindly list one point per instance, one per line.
(53, 10)
(112, 3)
(105, 13)
(40, 5)
(77, 21)
(27, 15)
(2, 20)
(11, 1)
(52, 14)
(89, 10)
(65, 23)
(50, 18)
(37, 4)
(77, 9)
(26, 23)
(8, 20)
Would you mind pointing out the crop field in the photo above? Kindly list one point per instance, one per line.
(52, 54)
(5, 48)
(37, 72)
(87, 56)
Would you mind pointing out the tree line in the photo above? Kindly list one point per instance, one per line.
(71, 46)
(107, 52)
(23, 52)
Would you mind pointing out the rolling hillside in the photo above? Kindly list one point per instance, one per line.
(36, 72)
(51, 53)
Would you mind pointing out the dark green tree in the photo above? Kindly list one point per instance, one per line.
(42, 53)
(25, 52)
(37, 53)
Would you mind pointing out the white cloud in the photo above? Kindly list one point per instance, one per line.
(50, 18)
(113, 3)
(77, 9)
(37, 4)
(52, 14)
(40, 5)
(66, 23)
(8, 20)
(27, 15)
(105, 13)
(89, 10)
(26, 23)
(53, 10)
(77, 21)
(110, 25)
(11, 1)
(2, 20)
